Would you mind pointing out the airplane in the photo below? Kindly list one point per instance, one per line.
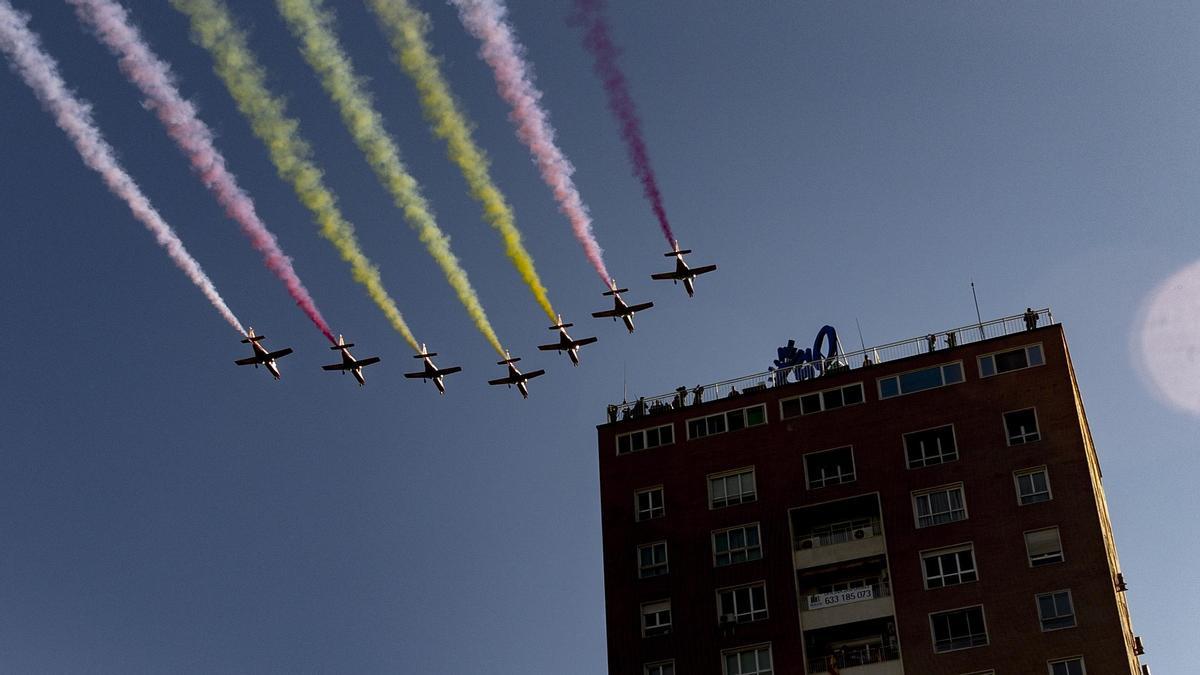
(565, 343)
(431, 371)
(620, 309)
(261, 355)
(682, 271)
(350, 363)
(516, 376)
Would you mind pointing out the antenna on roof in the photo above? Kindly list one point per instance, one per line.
(977, 316)
(624, 383)
(860, 337)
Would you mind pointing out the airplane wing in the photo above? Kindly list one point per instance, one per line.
(253, 360)
(504, 380)
(606, 313)
(638, 308)
(550, 348)
(533, 373)
(367, 361)
(666, 275)
(582, 341)
(337, 366)
(423, 374)
(697, 271)
(450, 370)
(280, 354)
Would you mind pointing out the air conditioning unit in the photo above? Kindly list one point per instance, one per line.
(864, 532)
(811, 542)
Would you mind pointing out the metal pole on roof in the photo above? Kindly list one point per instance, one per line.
(977, 316)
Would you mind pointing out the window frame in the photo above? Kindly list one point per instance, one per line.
(1041, 350)
(942, 373)
(669, 625)
(658, 664)
(637, 507)
(904, 441)
(808, 480)
(666, 563)
(722, 475)
(948, 487)
(1066, 659)
(642, 432)
(745, 648)
(948, 550)
(1036, 420)
(1037, 602)
(764, 611)
(821, 397)
(1033, 470)
(982, 616)
(1062, 553)
(729, 551)
(724, 415)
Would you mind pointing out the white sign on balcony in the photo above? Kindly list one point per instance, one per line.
(822, 600)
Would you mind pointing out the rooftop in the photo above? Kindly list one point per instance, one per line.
(799, 365)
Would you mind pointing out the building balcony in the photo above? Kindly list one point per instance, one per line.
(866, 659)
(822, 610)
(839, 542)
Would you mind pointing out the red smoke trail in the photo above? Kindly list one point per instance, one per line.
(109, 21)
(596, 38)
(485, 19)
(74, 117)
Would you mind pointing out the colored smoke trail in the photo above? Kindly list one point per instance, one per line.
(485, 19)
(313, 28)
(111, 24)
(74, 117)
(590, 13)
(407, 27)
(213, 28)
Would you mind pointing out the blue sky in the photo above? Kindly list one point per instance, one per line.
(164, 511)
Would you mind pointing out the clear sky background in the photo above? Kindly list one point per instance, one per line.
(164, 511)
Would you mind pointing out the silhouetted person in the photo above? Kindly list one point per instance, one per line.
(1031, 318)
(698, 395)
(612, 413)
(951, 339)
(733, 391)
(932, 340)
(640, 407)
(680, 396)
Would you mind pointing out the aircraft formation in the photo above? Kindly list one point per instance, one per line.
(405, 29)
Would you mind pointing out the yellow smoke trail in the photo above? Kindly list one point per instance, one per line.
(407, 27)
(236, 65)
(313, 27)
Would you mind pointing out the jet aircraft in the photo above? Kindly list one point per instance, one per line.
(565, 343)
(349, 363)
(515, 376)
(682, 271)
(620, 309)
(261, 355)
(431, 371)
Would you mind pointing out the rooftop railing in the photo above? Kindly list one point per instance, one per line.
(840, 363)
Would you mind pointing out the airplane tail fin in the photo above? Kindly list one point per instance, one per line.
(347, 345)
(675, 253)
(424, 354)
(509, 360)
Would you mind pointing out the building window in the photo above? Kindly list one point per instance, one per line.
(1013, 359)
(731, 420)
(734, 487)
(742, 604)
(1071, 666)
(1044, 547)
(1033, 486)
(644, 439)
(830, 399)
(649, 503)
(751, 661)
(736, 545)
(656, 618)
(829, 467)
(940, 505)
(920, 380)
(1055, 610)
(1021, 426)
(958, 629)
(949, 566)
(930, 446)
(659, 668)
(652, 559)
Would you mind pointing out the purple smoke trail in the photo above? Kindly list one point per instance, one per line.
(74, 117)
(486, 20)
(590, 13)
(111, 24)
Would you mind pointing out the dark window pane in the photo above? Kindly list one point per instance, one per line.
(790, 407)
(1013, 360)
(921, 379)
(833, 399)
(852, 394)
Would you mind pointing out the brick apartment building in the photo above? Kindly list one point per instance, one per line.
(931, 506)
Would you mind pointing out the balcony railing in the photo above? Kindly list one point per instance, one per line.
(838, 533)
(841, 363)
(819, 601)
(849, 657)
